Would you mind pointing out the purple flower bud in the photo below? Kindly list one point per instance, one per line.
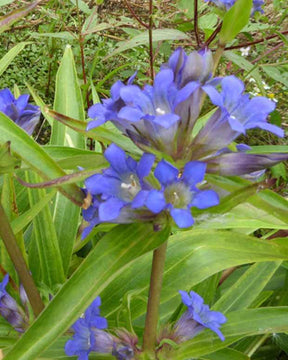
(23, 114)
(9, 308)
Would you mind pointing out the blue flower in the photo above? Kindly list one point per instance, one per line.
(119, 184)
(89, 335)
(197, 317)
(179, 192)
(239, 111)
(23, 114)
(9, 308)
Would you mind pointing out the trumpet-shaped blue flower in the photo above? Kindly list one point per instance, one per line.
(9, 308)
(119, 184)
(197, 317)
(89, 336)
(179, 192)
(19, 110)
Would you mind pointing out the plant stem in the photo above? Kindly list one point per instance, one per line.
(196, 31)
(16, 256)
(151, 322)
(256, 41)
(150, 30)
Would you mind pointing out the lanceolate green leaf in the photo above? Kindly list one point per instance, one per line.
(10, 56)
(247, 288)
(35, 156)
(68, 101)
(143, 39)
(235, 19)
(198, 252)
(239, 324)
(44, 255)
(106, 261)
(226, 354)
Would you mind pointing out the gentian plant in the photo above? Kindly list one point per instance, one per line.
(157, 189)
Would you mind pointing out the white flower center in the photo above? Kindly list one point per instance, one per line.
(130, 187)
(160, 111)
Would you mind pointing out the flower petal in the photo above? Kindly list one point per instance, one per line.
(205, 199)
(165, 172)
(155, 201)
(194, 172)
(110, 209)
(182, 217)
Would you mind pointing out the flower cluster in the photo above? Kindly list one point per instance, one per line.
(163, 116)
(19, 110)
(122, 194)
(89, 336)
(227, 4)
(10, 309)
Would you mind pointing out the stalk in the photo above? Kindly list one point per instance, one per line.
(16, 256)
(151, 322)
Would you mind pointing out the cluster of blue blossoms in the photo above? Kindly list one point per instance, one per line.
(90, 336)
(227, 4)
(162, 118)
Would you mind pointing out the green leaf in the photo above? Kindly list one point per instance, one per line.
(275, 74)
(23, 220)
(241, 294)
(106, 262)
(10, 56)
(63, 35)
(234, 20)
(44, 254)
(202, 253)
(7, 162)
(68, 101)
(226, 354)
(8, 20)
(143, 39)
(35, 156)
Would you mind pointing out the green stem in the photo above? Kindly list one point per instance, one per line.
(151, 322)
(16, 256)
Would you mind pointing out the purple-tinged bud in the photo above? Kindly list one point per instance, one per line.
(10, 310)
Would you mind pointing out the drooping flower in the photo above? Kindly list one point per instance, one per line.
(19, 110)
(179, 192)
(10, 309)
(197, 317)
